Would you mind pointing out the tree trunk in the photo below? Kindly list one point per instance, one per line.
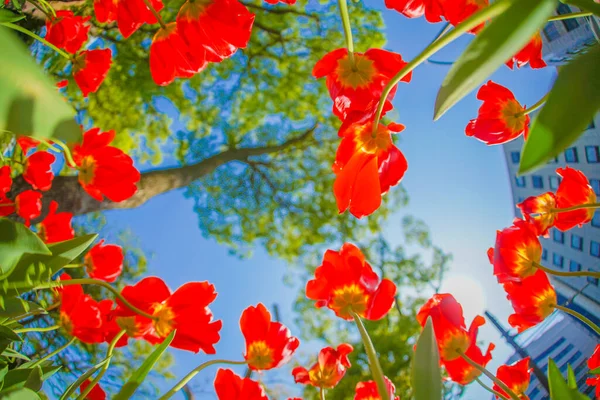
(71, 197)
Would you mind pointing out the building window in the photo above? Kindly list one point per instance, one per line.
(558, 236)
(538, 181)
(554, 182)
(592, 125)
(595, 183)
(553, 161)
(595, 248)
(551, 32)
(570, 24)
(592, 154)
(571, 155)
(577, 242)
(574, 266)
(591, 279)
(558, 260)
(520, 181)
(515, 157)
(596, 219)
(544, 254)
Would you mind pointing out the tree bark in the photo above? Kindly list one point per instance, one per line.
(71, 197)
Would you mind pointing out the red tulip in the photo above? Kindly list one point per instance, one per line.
(229, 386)
(56, 227)
(95, 394)
(186, 310)
(531, 53)
(500, 118)
(218, 27)
(346, 284)
(517, 252)
(38, 170)
(368, 390)
(28, 205)
(356, 86)
(269, 344)
(67, 31)
(105, 170)
(80, 314)
(516, 376)
(104, 262)
(90, 69)
(593, 363)
(329, 369)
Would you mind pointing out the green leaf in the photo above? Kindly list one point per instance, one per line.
(559, 389)
(585, 5)
(16, 378)
(32, 270)
(506, 35)
(14, 354)
(573, 101)
(595, 371)
(571, 380)
(426, 373)
(19, 394)
(29, 102)
(34, 380)
(75, 385)
(3, 372)
(17, 308)
(7, 333)
(9, 16)
(140, 374)
(15, 238)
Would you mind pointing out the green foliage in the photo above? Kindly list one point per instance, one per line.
(559, 389)
(140, 374)
(29, 103)
(15, 241)
(571, 105)
(586, 5)
(426, 372)
(497, 42)
(9, 16)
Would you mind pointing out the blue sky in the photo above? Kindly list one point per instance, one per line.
(457, 185)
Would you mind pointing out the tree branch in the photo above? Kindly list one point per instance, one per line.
(71, 197)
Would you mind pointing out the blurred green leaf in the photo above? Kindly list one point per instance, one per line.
(34, 269)
(15, 241)
(571, 380)
(140, 374)
(34, 380)
(19, 394)
(14, 307)
(16, 378)
(29, 102)
(9, 16)
(14, 354)
(559, 389)
(506, 35)
(585, 5)
(426, 371)
(8, 333)
(573, 101)
(595, 371)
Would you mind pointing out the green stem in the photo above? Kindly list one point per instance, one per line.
(465, 26)
(376, 370)
(489, 389)
(193, 373)
(66, 152)
(578, 207)
(322, 393)
(534, 107)
(571, 15)
(55, 352)
(561, 273)
(442, 32)
(156, 14)
(109, 353)
(575, 314)
(36, 37)
(347, 30)
(89, 281)
(487, 373)
(45, 329)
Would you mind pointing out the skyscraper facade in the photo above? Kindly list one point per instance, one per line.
(561, 337)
